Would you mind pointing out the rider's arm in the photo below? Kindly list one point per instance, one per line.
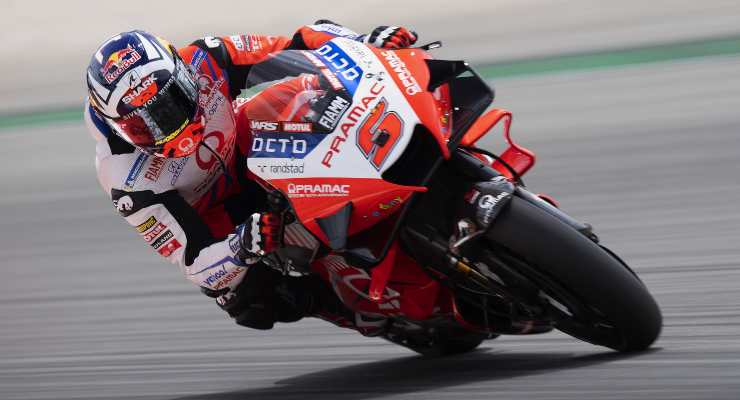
(246, 50)
(237, 53)
(164, 220)
(311, 37)
(172, 228)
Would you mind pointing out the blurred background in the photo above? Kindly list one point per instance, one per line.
(633, 108)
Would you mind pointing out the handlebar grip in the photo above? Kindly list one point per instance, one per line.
(279, 205)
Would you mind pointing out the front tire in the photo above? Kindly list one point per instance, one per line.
(607, 304)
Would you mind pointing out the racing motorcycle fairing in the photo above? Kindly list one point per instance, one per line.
(396, 287)
(516, 160)
(374, 151)
(324, 132)
(334, 128)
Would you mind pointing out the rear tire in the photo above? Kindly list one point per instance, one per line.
(609, 305)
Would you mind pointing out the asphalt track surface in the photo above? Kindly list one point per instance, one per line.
(648, 154)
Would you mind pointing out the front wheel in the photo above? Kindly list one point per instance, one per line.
(594, 296)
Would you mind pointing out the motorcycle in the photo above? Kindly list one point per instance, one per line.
(436, 244)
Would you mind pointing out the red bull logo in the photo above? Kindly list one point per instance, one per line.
(119, 62)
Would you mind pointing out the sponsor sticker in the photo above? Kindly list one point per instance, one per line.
(134, 172)
(222, 277)
(149, 236)
(334, 30)
(238, 42)
(252, 43)
(333, 112)
(318, 190)
(167, 235)
(169, 248)
(489, 201)
(333, 80)
(354, 116)
(198, 57)
(390, 204)
(313, 59)
(284, 145)
(342, 65)
(408, 81)
(285, 126)
(125, 203)
(154, 170)
(138, 95)
(210, 97)
(175, 168)
(234, 244)
(229, 277)
(284, 168)
(211, 42)
(146, 225)
(487, 206)
(264, 126)
(297, 127)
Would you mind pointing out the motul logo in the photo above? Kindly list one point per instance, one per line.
(149, 236)
(297, 127)
(263, 125)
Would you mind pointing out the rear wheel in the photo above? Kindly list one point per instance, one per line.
(593, 295)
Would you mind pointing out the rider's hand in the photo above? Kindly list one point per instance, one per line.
(265, 296)
(390, 37)
(258, 236)
(251, 304)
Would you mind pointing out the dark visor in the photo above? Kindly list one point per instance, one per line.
(164, 116)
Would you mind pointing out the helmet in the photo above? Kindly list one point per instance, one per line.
(146, 93)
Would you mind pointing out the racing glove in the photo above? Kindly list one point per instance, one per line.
(390, 37)
(257, 237)
(265, 296)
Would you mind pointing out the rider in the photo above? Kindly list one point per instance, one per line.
(171, 153)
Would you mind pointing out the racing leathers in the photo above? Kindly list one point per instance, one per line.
(188, 209)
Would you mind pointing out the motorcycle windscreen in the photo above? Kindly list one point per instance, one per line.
(294, 102)
(291, 86)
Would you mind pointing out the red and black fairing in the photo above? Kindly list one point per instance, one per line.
(375, 265)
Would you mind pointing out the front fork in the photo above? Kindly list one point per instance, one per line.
(484, 200)
(488, 177)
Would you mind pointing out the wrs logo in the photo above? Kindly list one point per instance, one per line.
(268, 126)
